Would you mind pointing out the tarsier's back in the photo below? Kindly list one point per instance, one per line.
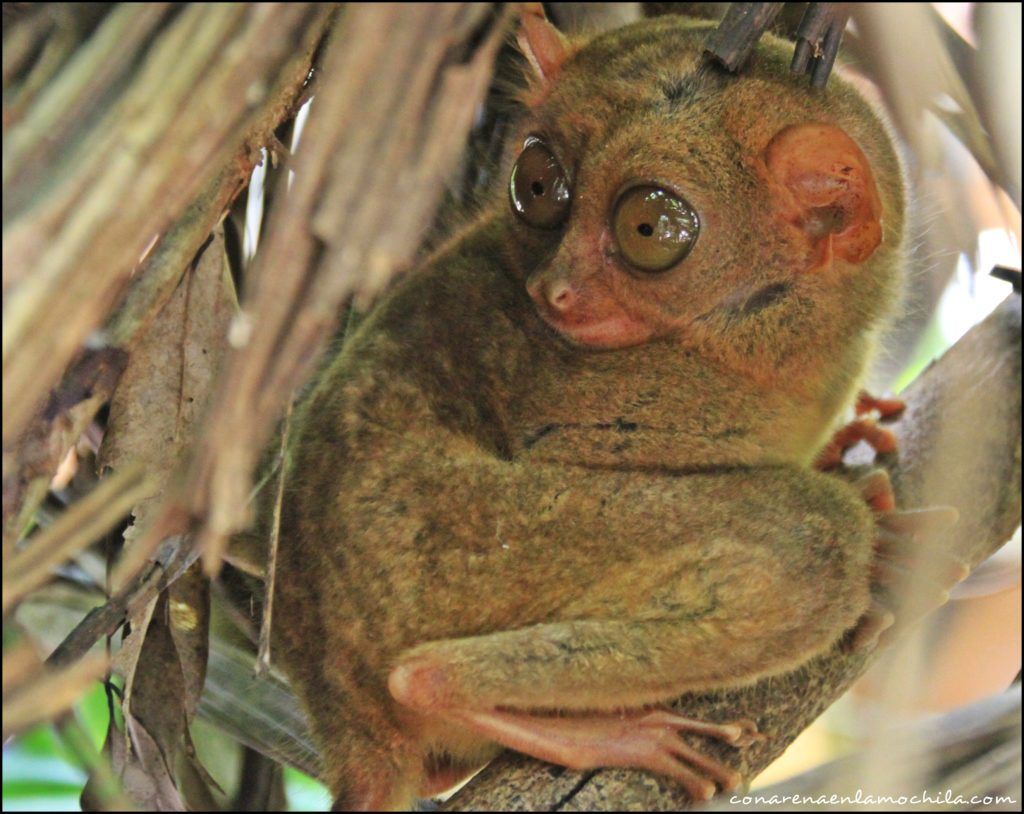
(540, 475)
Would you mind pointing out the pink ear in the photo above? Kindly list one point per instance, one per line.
(831, 190)
(542, 44)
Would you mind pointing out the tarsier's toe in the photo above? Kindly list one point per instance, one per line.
(880, 439)
(876, 489)
(739, 733)
(746, 734)
(718, 773)
(699, 773)
(698, 787)
(911, 573)
(872, 624)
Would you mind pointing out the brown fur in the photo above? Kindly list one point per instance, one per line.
(564, 528)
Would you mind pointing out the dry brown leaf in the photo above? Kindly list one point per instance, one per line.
(163, 683)
(141, 769)
(127, 657)
(188, 618)
(164, 387)
(158, 702)
(152, 420)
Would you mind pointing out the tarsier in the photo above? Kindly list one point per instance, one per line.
(563, 473)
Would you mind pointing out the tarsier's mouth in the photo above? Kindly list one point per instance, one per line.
(610, 333)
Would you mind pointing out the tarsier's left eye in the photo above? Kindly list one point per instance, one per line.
(539, 188)
(653, 227)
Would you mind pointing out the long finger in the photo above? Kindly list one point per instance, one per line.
(920, 521)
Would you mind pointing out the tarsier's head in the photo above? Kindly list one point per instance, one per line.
(655, 195)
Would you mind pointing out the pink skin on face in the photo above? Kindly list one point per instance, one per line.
(584, 309)
(608, 334)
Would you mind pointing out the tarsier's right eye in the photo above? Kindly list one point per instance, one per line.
(539, 189)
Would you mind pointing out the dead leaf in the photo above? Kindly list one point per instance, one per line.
(153, 417)
(141, 769)
(162, 687)
(158, 700)
(165, 386)
(127, 657)
(189, 623)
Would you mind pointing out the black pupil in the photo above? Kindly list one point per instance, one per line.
(645, 229)
(537, 188)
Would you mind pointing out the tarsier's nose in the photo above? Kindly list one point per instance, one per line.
(561, 296)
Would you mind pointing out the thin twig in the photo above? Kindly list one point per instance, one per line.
(732, 42)
(174, 558)
(263, 653)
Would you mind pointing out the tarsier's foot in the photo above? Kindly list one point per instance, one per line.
(910, 575)
(862, 429)
(640, 740)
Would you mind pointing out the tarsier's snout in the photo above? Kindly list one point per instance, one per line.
(580, 313)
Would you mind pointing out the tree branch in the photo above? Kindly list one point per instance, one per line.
(960, 446)
(736, 36)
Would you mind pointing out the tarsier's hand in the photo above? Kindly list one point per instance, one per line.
(911, 576)
(863, 428)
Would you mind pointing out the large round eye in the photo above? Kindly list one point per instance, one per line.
(654, 228)
(539, 189)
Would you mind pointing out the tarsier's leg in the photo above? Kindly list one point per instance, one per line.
(862, 429)
(478, 682)
(910, 576)
(731, 624)
(742, 610)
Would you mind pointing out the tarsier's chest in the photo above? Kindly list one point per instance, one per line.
(670, 415)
